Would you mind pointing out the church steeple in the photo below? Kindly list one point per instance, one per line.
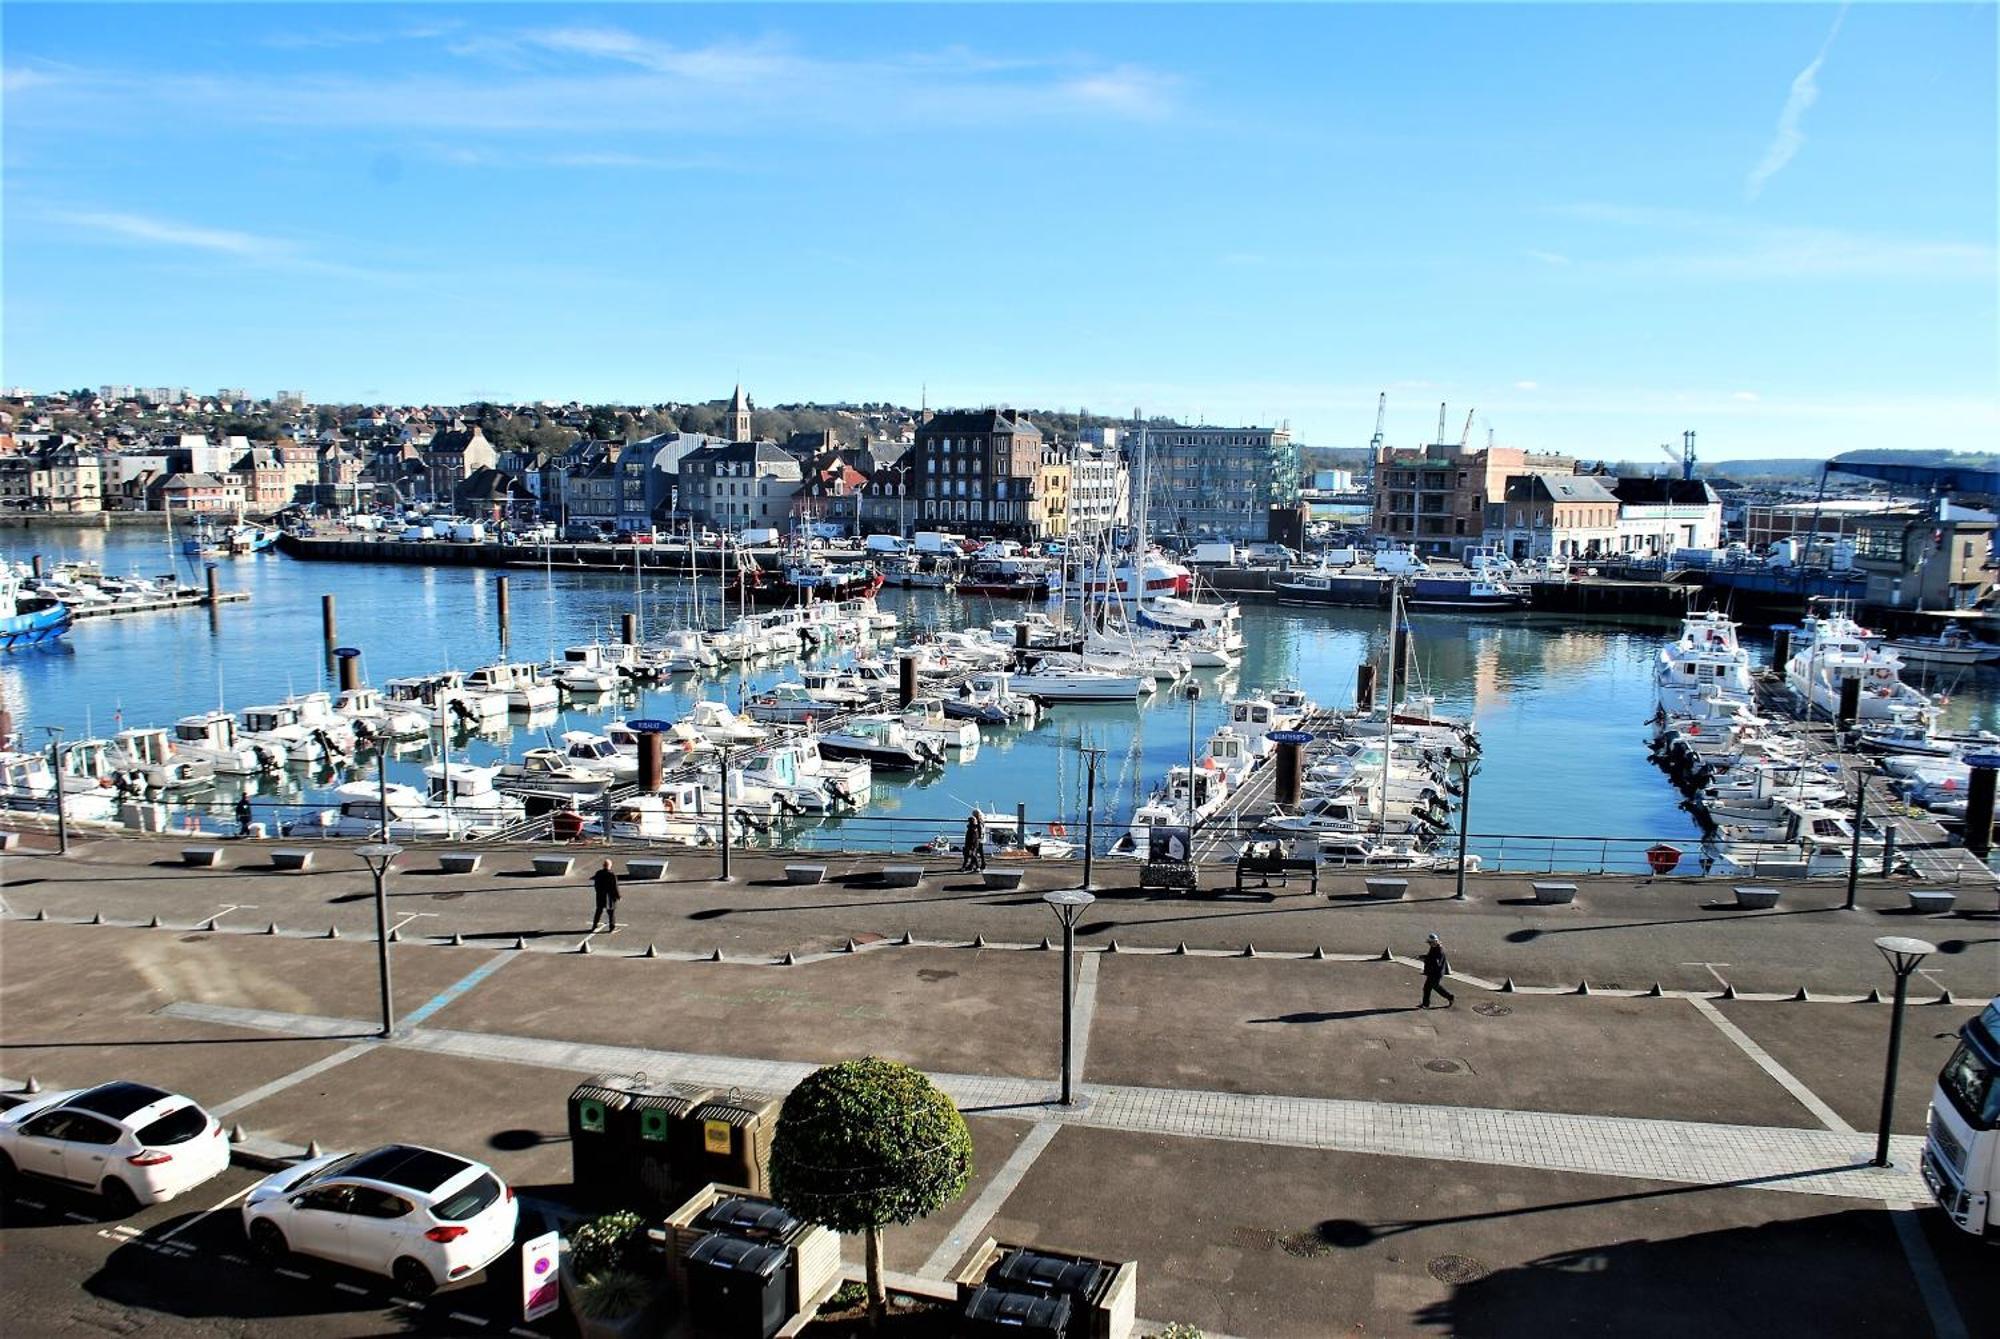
(738, 421)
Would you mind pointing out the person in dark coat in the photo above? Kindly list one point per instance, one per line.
(1436, 964)
(242, 815)
(605, 884)
(975, 844)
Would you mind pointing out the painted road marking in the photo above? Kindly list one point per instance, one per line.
(981, 1211)
(166, 1237)
(457, 988)
(292, 1273)
(407, 918)
(1711, 966)
(278, 1085)
(1808, 1099)
(127, 1232)
(354, 1288)
(1946, 1323)
(470, 1320)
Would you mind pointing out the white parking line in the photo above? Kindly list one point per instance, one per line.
(32, 1204)
(292, 1273)
(76, 1217)
(217, 1207)
(236, 1259)
(354, 1288)
(127, 1232)
(526, 1334)
(470, 1320)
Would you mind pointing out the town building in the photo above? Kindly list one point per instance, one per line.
(978, 467)
(1553, 516)
(1210, 482)
(736, 423)
(1921, 559)
(740, 485)
(1099, 486)
(658, 458)
(453, 454)
(1822, 520)
(1048, 509)
(883, 507)
(1437, 497)
(201, 494)
(1656, 516)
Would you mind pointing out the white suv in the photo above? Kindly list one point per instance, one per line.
(132, 1143)
(420, 1216)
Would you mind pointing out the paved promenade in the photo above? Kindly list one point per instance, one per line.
(1283, 1141)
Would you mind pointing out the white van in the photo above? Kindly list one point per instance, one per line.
(757, 538)
(886, 544)
(1213, 553)
(1400, 562)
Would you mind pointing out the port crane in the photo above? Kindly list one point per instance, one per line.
(1381, 414)
(1683, 457)
(1465, 438)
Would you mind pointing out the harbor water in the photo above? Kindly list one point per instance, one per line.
(1561, 705)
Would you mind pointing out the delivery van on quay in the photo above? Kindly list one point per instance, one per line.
(1962, 1135)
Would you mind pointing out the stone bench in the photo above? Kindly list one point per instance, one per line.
(1004, 879)
(294, 860)
(900, 876)
(1551, 894)
(9, 841)
(1756, 899)
(554, 866)
(646, 869)
(459, 862)
(1386, 890)
(1932, 901)
(201, 857)
(804, 876)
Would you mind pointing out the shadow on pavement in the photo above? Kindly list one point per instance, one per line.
(1335, 1016)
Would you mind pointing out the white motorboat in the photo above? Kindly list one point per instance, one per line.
(160, 763)
(406, 815)
(1361, 850)
(375, 719)
(715, 722)
(883, 742)
(277, 729)
(1840, 652)
(789, 703)
(26, 782)
(839, 690)
(445, 699)
(681, 651)
(1705, 661)
(925, 719)
(212, 737)
(473, 797)
(547, 771)
(1349, 813)
(1229, 752)
(1952, 646)
(778, 770)
(315, 712)
(1254, 718)
(523, 685)
(990, 700)
(677, 813)
(584, 749)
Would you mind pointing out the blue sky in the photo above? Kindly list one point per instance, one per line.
(1595, 225)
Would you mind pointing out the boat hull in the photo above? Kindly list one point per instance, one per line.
(35, 627)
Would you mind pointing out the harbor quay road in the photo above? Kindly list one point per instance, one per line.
(1649, 1110)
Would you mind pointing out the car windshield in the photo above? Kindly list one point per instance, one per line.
(1968, 1080)
(176, 1127)
(468, 1202)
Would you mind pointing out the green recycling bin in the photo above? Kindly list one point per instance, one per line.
(663, 1138)
(599, 1146)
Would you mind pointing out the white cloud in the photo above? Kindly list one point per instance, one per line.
(1527, 385)
(166, 232)
(1791, 136)
(1745, 397)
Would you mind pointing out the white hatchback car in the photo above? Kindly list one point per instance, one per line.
(420, 1216)
(132, 1143)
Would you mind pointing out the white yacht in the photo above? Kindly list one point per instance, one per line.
(409, 815)
(27, 783)
(584, 749)
(212, 737)
(159, 761)
(376, 719)
(522, 683)
(1704, 662)
(470, 792)
(1049, 681)
(925, 719)
(548, 771)
(1841, 651)
(715, 722)
(990, 700)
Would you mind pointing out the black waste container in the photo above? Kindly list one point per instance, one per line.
(1032, 1271)
(737, 1288)
(599, 1156)
(665, 1143)
(997, 1313)
(751, 1219)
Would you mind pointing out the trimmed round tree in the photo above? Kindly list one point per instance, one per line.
(867, 1143)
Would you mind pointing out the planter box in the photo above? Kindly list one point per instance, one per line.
(1108, 1313)
(554, 866)
(1554, 894)
(1756, 899)
(459, 863)
(900, 876)
(1932, 901)
(1386, 890)
(641, 1324)
(201, 857)
(295, 860)
(815, 1249)
(805, 875)
(646, 870)
(1004, 879)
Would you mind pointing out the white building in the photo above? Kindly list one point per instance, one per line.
(1099, 488)
(1657, 516)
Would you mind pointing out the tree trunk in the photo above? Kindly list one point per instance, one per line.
(878, 1292)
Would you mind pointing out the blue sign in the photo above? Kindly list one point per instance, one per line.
(649, 726)
(1290, 736)
(346, 652)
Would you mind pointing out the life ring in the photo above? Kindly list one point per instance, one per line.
(1058, 830)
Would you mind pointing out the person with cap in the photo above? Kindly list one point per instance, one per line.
(1436, 964)
(605, 884)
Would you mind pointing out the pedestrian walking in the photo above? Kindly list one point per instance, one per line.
(243, 815)
(975, 844)
(1436, 964)
(605, 884)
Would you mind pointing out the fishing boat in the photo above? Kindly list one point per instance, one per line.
(1012, 578)
(27, 782)
(1704, 662)
(812, 580)
(1843, 652)
(715, 722)
(789, 703)
(1326, 585)
(1470, 593)
(1949, 646)
(584, 749)
(213, 737)
(29, 620)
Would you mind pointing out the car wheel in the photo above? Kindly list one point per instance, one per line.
(267, 1239)
(118, 1197)
(412, 1279)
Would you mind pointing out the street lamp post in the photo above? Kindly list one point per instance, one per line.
(1904, 955)
(56, 771)
(1193, 695)
(379, 856)
(722, 754)
(1091, 755)
(1467, 769)
(1069, 904)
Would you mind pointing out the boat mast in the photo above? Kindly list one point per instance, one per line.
(1389, 718)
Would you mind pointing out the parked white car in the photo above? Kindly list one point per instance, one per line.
(421, 1216)
(132, 1143)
